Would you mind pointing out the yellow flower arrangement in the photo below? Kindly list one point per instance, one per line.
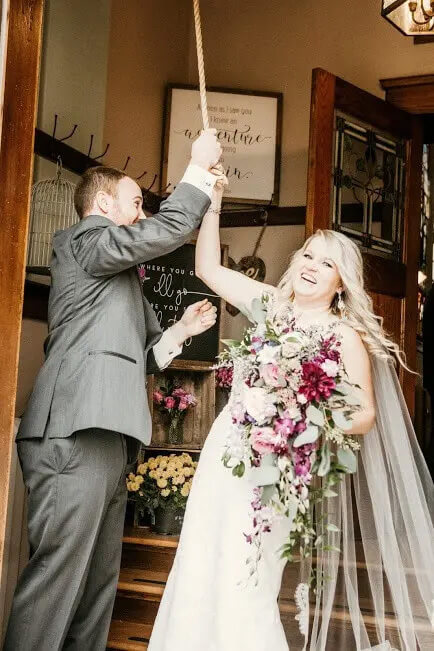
(163, 481)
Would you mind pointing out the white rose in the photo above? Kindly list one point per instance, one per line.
(301, 398)
(269, 354)
(259, 404)
(294, 413)
(330, 367)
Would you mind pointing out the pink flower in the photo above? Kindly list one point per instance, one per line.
(183, 404)
(302, 459)
(169, 402)
(316, 384)
(179, 392)
(158, 397)
(272, 375)
(142, 272)
(284, 427)
(263, 439)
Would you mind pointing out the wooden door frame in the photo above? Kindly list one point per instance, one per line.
(21, 85)
(328, 94)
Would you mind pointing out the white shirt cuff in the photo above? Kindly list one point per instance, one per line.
(166, 349)
(200, 178)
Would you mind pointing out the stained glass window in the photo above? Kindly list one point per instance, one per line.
(368, 185)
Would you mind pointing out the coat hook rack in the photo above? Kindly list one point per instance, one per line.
(103, 153)
(152, 184)
(90, 149)
(74, 128)
(126, 163)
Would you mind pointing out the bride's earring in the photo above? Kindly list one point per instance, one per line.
(341, 304)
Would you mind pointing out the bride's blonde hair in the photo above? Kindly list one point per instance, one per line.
(358, 312)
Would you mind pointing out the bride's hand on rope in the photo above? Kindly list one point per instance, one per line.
(222, 181)
(206, 149)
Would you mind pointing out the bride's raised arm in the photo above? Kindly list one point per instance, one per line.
(233, 286)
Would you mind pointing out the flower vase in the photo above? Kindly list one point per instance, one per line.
(168, 521)
(176, 431)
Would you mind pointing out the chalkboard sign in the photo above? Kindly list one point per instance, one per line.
(170, 285)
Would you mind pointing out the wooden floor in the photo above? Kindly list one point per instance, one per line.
(146, 562)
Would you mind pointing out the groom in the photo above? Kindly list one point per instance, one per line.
(88, 411)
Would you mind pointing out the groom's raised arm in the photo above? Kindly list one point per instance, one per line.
(103, 250)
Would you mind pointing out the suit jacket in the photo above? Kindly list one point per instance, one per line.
(101, 328)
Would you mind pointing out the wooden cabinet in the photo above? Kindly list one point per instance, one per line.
(199, 379)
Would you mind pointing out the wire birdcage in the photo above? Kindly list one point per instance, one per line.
(51, 209)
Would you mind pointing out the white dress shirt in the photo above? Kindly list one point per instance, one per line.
(200, 178)
(166, 349)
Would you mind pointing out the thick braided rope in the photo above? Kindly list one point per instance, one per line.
(200, 64)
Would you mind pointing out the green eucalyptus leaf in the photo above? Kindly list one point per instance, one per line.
(324, 465)
(340, 419)
(329, 493)
(231, 343)
(315, 415)
(348, 460)
(310, 435)
(267, 493)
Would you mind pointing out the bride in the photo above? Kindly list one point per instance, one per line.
(383, 512)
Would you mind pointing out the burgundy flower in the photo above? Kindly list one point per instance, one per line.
(329, 349)
(224, 377)
(316, 384)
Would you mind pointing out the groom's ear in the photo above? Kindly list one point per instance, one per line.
(103, 201)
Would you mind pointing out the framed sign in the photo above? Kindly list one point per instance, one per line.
(248, 127)
(170, 285)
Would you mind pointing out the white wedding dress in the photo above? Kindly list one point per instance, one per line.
(203, 607)
(207, 605)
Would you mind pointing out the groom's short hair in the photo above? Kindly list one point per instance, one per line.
(94, 180)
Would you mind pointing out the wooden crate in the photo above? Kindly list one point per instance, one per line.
(199, 379)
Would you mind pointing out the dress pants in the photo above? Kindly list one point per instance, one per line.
(76, 509)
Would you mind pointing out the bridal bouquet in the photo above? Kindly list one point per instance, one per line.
(289, 418)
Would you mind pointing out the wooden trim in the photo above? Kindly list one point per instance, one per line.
(191, 365)
(411, 255)
(16, 161)
(398, 82)
(412, 94)
(320, 162)
(370, 109)
(384, 276)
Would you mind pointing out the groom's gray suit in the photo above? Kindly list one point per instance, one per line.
(74, 439)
